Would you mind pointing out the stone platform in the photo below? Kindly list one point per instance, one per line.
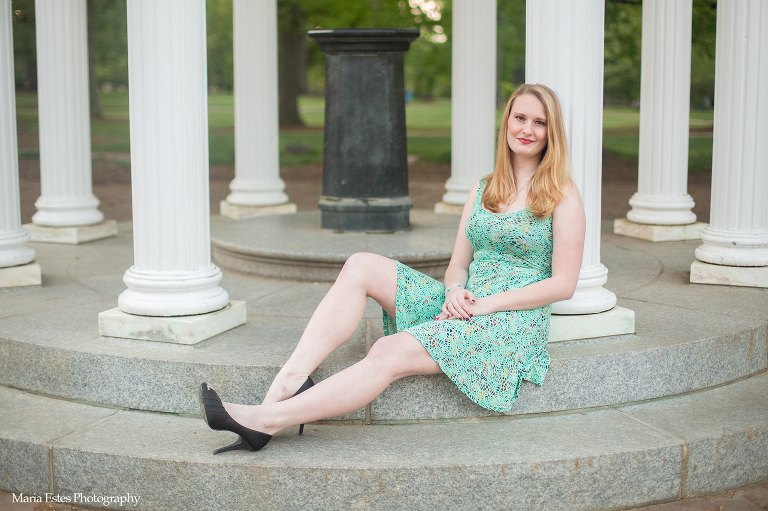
(679, 409)
(295, 247)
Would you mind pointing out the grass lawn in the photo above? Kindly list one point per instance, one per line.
(428, 124)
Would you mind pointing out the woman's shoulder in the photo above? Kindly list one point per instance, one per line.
(571, 200)
(570, 191)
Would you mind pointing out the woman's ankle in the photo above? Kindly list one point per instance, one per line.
(285, 385)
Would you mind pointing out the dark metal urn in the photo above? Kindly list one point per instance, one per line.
(365, 159)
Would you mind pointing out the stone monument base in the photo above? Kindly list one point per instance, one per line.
(746, 276)
(569, 327)
(21, 276)
(71, 235)
(172, 329)
(657, 233)
(238, 212)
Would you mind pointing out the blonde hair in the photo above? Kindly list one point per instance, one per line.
(554, 168)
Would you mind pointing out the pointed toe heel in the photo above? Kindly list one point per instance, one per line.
(218, 419)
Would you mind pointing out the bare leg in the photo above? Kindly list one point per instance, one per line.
(389, 359)
(336, 318)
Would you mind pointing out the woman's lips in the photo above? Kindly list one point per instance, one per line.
(525, 141)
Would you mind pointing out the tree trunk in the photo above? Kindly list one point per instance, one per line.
(93, 87)
(289, 43)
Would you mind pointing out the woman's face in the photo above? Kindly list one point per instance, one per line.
(527, 127)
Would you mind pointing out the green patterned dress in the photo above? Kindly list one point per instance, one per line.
(488, 356)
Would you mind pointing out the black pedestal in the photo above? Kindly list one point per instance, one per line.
(365, 166)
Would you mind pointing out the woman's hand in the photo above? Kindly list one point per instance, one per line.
(458, 304)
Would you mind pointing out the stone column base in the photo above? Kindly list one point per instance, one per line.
(186, 330)
(656, 233)
(21, 276)
(443, 208)
(617, 321)
(746, 276)
(236, 212)
(71, 235)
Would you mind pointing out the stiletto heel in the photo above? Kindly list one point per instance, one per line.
(218, 419)
(307, 384)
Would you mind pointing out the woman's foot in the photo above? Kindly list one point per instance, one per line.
(217, 418)
(252, 417)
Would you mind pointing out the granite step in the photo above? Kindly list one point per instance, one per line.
(612, 458)
(689, 337)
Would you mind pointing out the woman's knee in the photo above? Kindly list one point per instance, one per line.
(401, 354)
(362, 267)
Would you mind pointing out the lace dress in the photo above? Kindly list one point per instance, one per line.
(488, 356)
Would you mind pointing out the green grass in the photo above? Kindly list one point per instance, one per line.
(429, 123)
(699, 150)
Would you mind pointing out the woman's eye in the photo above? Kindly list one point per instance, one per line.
(520, 118)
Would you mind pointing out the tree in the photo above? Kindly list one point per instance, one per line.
(291, 33)
(24, 45)
(510, 48)
(623, 32)
(93, 86)
(219, 38)
(295, 17)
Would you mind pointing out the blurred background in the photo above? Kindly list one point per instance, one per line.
(301, 88)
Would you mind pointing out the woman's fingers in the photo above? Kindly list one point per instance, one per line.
(459, 309)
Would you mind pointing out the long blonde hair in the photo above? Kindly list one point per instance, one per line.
(554, 168)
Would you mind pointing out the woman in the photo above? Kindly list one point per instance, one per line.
(518, 250)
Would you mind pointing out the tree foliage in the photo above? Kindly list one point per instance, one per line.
(427, 63)
(24, 44)
(510, 48)
(623, 33)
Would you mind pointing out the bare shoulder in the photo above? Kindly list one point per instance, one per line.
(571, 198)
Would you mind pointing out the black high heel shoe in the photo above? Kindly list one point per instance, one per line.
(217, 418)
(307, 384)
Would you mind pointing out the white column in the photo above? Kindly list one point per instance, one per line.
(67, 198)
(564, 51)
(665, 90)
(473, 100)
(257, 180)
(172, 273)
(662, 205)
(737, 235)
(14, 251)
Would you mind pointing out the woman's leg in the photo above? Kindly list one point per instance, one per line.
(389, 359)
(336, 318)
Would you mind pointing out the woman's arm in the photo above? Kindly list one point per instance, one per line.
(568, 228)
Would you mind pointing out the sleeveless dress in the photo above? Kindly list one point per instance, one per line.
(488, 356)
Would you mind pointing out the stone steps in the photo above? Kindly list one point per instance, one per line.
(689, 337)
(611, 458)
(707, 351)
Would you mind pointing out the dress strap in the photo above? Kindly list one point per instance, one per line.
(479, 195)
